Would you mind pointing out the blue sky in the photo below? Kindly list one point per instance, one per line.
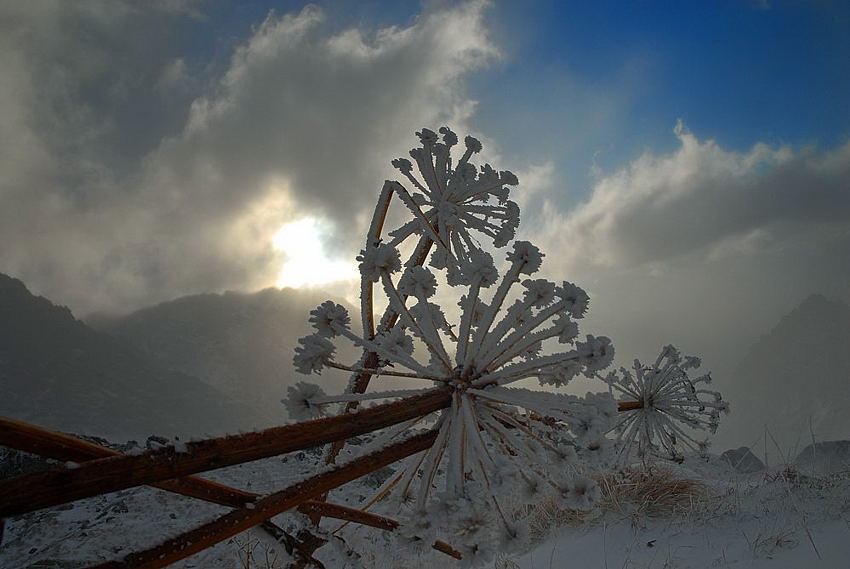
(736, 72)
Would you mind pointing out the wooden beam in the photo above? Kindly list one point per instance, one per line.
(61, 485)
(241, 519)
(623, 406)
(59, 446)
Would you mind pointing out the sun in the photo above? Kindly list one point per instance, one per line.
(307, 263)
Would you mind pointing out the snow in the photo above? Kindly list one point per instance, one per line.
(758, 544)
(764, 520)
(779, 519)
(496, 447)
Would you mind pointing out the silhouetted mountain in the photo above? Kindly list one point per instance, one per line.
(795, 382)
(58, 373)
(242, 344)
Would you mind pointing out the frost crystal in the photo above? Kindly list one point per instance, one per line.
(497, 445)
(418, 282)
(494, 440)
(449, 200)
(668, 404)
(314, 352)
(375, 261)
(330, 319)
(301, 401)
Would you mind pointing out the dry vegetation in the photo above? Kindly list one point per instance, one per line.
(638, 491)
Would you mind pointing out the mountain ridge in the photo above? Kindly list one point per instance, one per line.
(791, 386)
(240, 343)
(59, 373)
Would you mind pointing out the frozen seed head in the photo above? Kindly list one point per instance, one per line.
(301, 401)
(502, 433)
(376, 261)
(395, 341)
(567, 328)
(539, 292)
(330, 319)
(428, 310)
(454, 200)
(526, 256)
(427, 136)
(597, 353)
(417, 282)
(509, 178)
(403, 165)
(312, 354)
(672, 408)
(449, 137)
(480, 269)
(575, 298)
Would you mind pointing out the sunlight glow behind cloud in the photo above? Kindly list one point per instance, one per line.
(307, 264)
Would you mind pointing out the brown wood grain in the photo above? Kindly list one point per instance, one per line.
(59, 446)
(61, 485)
(629, 405)
(241, 519)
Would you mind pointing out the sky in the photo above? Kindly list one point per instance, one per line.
(687, 163)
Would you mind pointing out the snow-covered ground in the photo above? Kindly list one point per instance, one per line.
(717, 517)
(777, 520)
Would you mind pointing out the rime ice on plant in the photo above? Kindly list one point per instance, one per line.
(494, 440)
(669, 403)
(454, 203)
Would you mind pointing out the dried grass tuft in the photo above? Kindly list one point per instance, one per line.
(652, 491)
(645, 491)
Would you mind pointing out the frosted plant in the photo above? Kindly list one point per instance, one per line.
(452, 203)
(665, 403)
(451, 200)
(486, 441)
(494, 440)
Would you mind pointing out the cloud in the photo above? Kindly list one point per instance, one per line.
(706, 201)
(137, 173)
(702, 247)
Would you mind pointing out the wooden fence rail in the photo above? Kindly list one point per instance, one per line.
(59, 446)
(61, 485)
(239, 520)
(103, 470)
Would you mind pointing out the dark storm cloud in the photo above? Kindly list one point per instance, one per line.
(133, 176)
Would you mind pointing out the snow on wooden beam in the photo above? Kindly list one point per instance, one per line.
(62, 485)
(242, 519)
(59, 446)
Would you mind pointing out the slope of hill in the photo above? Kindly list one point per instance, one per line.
(58, 373)
(794, 383)
(241, 344)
